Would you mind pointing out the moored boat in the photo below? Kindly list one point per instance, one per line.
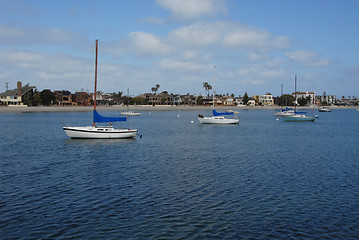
(104, 132)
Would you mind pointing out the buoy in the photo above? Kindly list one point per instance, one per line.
(192, 122)
(178, 115)
(277, 119)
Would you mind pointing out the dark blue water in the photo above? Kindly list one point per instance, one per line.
(261, 179)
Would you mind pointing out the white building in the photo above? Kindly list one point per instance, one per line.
(266, 100)
(305, 95)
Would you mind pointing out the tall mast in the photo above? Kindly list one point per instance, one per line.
(94, 106)
(281, 96)
(214, 82)
(295, 93)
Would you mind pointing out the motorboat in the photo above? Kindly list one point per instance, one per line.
(324, 109)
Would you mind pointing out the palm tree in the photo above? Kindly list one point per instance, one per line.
(155, 89)
(207, 87)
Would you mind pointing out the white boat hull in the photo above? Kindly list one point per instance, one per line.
(99, 132)
(217, 120)
(130, 113)
(299, 118)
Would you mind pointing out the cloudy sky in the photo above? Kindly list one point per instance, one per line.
(256, 45)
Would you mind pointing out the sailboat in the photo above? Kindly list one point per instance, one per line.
(128, 112)
(298, 116)
(217, 117)
(100, 132)
(284, 112)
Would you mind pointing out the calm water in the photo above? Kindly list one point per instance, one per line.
(261, 179)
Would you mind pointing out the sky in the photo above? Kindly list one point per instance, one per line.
(256, 45)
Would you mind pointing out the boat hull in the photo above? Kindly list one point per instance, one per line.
(130, 114)
(99, 132)
(324, 110)
(217, 120)
(299, 118)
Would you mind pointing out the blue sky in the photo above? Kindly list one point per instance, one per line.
(256, 45)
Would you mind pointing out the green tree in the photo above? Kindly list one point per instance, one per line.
(199, 100)
(47, 97)
(36, 99)
(139, 101)
(245, 98)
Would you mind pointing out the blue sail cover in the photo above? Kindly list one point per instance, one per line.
(98, 118)
(215, 113)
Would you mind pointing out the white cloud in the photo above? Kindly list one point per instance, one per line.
(175, 65)
(193, 9)
(148, 44)
(200, 34)
(228, 35)
(308, 58)
(36, 36)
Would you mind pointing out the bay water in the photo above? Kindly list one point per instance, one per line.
(261, 179)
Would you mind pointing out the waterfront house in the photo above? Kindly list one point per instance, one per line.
(158, 99)
(265, 100)
(22, 96)
(82, 98)
(325, 99)
(305, 95)
(64, 98)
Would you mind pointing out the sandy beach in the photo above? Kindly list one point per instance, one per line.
(145, 108)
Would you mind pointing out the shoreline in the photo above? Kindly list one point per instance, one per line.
(147, 108)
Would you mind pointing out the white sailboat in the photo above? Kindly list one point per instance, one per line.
(217, 117)
(100, 132)
(284, 112)
(128, 112)
(298, 116)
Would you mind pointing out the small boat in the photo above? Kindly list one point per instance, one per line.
(285, 112)
(324, 109)
(217, 117)
(100, 132)
(298, 116)
(128, 112)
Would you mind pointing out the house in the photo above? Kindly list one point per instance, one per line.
(188, 99)
(82, 98)
(158, 99)
(251, 103)
(325, 99)
(22, 96)
(177, 100)
(265, 100)
(228, 101)
(305, 95)
(64, 98)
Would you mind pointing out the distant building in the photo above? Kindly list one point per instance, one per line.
(265, 100)
(82, 98)
(158, 99)
(305, 95)
(64, 98)
(22, 96)
(326, 99)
